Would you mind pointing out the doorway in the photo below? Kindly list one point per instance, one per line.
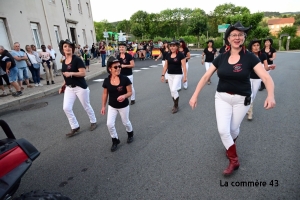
(73, 35)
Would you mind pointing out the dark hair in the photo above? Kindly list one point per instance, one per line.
(183, 44)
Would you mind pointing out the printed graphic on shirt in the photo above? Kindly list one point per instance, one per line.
(120, 88)
(237, 68)
(69, 66)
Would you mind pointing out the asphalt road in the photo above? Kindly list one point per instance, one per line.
(174, 156)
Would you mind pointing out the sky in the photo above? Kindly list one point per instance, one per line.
(118, 10)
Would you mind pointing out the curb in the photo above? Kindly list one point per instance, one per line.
(48, 92)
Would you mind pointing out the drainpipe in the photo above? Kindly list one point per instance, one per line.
(47, 22)
(65, 18)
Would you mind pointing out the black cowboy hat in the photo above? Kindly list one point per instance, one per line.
(67, 41)
(237, 26)
(165, 41)
(174, 42)
(111, 60)
(210, 41)
(269, 39)
(122, 44)
(181, 40)
(253, 42)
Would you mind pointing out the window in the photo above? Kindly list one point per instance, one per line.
(68, 3)
(4, 41)
(84, 36)
(51, 1)
(92, 35)
(57, 34)
(79, 6)
(36, 35)
(88, 8)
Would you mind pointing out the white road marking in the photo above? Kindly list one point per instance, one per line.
(99, 80)
(137, 70)
(160, 64)
(153, 66)
(145, 68)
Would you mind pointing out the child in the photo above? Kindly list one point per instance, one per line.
(86, 58)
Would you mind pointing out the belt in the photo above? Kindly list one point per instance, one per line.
(230, 93)
(71, 86)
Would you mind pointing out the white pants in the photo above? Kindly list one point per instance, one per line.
(84, 98)
(207, 65)
(111, 119)
(133, 91)
(166, 74)
(230, 112)
(185, 85)
(174, 83)
(255, 85)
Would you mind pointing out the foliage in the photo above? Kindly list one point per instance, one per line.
(123, 26)
(197, 23)
(295, 43)
(291, 30)
(297, 20)
(100, 28)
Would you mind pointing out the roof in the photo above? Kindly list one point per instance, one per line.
(281, 21)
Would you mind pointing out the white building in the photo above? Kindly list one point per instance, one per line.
(46, 22)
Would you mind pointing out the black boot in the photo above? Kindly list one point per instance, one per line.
(175, 108)
(115, 142)
(130, 137)
(262, 86)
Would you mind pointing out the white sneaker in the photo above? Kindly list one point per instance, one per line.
(36, 85)
(40, 84)
(10, 90)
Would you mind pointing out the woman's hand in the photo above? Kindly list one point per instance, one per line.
(184, 79)
(102, 111)
(193, 102)
(273, 66)
(202, 62)
(121, 98)
(269, 103)
(67, 74)
(162, 79)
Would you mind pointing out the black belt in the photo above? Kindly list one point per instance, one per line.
(72, 86)
(230, 93)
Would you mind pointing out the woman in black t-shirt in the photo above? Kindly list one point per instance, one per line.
(163, 53)
(127, 63)
(210, 53)
(186, 52)
(74, 85)
(118, 88)
(254, 47)
(271, 55)
(175, 64)
(233, 95)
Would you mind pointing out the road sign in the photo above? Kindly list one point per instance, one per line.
(105, 34)
(222, 28)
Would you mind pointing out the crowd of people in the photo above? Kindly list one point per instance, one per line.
(242, 72)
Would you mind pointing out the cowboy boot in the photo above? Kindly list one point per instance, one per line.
(233, 161)
(234, 143)
(73, 132)
(115, 142)
(130, 137)
(250, 115)
(175, 108)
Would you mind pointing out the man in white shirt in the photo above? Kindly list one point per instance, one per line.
(53, 55)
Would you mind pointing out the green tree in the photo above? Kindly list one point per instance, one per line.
(139, 23)
(197, 24)
(291, 30)
(100, 28)
(297, 20)
(123, 26)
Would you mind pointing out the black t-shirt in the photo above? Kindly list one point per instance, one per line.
(174, 64)
(269, 54)
(210, 55)
(5, 58)
(164, 53)
(185, 52)
(114, 91)
(222, 49)
(235, 78)
(262, 57)
(74, 66)
(125, 61)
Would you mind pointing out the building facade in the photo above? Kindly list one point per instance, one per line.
(275, 25)
(46, 22)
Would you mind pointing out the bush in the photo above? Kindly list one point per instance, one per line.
(295, 43)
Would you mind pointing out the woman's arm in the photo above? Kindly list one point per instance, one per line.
(268, 81)
(131, 65)
(164, 71)
(158, 56)
(202, 61)
(266, 65)
(104, 100)
(273, 57)
(121, 98)
(81, 73)
(201, 84)
(188, 56)
(183, 65)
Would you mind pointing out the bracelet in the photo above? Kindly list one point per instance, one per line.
(162, 75)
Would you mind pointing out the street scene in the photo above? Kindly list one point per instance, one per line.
(160, 101)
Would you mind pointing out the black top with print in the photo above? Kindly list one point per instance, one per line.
(74, 66)
(235, 78)
(164, 53)
(185, 52)
(125, 61)
(174, 64)
(210, 55)
(222, 49)
(114, 91)
(269, 54)
(262, 57)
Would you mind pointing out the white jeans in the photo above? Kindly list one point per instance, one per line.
(207, 65)
(174, 83)
(84, 98)
(133, 91)
(255, 85)
(166, 74)
(111, 119)
(185, 85)
(230, 112)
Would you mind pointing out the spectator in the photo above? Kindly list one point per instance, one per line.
(53, 55)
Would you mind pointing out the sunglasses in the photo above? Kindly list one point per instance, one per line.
(116, 67)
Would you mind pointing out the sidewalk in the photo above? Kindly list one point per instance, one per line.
(45, 90)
